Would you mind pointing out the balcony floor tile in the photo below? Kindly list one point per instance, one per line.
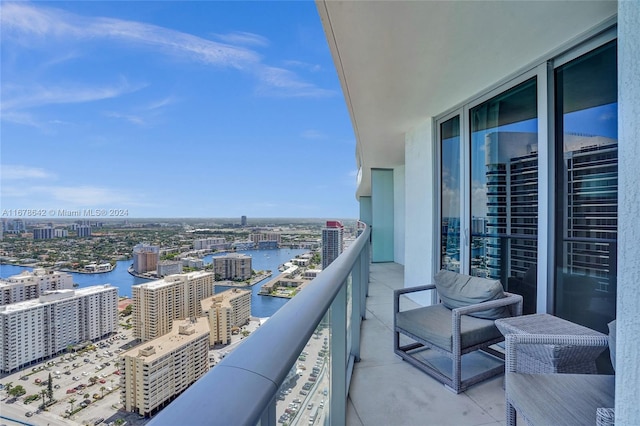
(388, 391)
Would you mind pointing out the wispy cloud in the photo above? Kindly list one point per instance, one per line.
(282, 82)
(134, 119)
(18, 98)
(244, 38)
(304, 65)
(25, 23)
(68, 197)
(313, 134)
(19, 172)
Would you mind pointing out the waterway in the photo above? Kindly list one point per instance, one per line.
(261, 306)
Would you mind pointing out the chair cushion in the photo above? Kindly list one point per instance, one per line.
(433, 324)
(458, 290)
(559, 399)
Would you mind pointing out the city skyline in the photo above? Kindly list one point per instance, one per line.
(167, 109)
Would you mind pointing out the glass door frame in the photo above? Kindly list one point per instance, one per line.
(542, 74)
(543, 70)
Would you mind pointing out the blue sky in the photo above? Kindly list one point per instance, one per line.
(173, 109)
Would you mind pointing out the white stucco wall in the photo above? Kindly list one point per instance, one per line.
(628, 306)
(419, 206)
(399, 214)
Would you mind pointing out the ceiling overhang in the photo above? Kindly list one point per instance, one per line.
(403, 62)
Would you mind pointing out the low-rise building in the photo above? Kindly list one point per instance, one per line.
(169, 267)
(156, 372)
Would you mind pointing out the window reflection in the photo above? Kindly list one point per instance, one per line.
(587, 182)
(450, 194)
(504, 190)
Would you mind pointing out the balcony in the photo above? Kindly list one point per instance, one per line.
(357, 379)
(388, 391)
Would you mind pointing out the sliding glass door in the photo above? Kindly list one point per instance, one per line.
(529, 181)
(450, 192)
(587, 188)
(504, 190)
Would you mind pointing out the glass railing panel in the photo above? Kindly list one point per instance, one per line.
(302, 398)
(349, 313)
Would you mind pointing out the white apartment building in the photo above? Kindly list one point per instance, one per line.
(158, 303)
(154, 373)
(208, 243)
(233, 266)
(30, 285)
(231, 308)
(34, 330)
(169, 267)
(192, 262)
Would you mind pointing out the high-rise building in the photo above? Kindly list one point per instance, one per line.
(40, 328)
(233, 266)
(30, 285)
(84, 231)
(332, 242)
(591, 202)
(145, 258)
(231, 308)
(158, 303)
(154, 373)
(243, 221)
(43, 233)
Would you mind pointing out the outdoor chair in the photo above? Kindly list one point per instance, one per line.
(556, 398)
(462, 323)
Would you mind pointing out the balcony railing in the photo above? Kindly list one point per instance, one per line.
(244, 388)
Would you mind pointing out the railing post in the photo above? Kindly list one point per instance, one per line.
(364, 274)
(338, 396)
(357, 302)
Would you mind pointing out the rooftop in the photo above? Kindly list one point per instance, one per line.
(182, 333)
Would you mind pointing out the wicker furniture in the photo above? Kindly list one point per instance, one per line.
(552, 358)
(556, 399)
(452, 332)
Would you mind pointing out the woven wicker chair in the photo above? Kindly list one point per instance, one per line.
(452, 333)
(556, 399)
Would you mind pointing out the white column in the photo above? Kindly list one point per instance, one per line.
(628, 306)
(420, 202)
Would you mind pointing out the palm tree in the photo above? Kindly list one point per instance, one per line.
(102, 388)
(8, 387)
(43, 392)
(50, 388)
(71, 401)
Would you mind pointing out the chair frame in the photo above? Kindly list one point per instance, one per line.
(455, 382)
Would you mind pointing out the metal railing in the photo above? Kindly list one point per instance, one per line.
(242, 388)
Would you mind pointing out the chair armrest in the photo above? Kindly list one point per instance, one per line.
(513, 340)
(399, 292)
(509, 299)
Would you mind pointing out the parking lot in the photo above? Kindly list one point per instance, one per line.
(85, 386)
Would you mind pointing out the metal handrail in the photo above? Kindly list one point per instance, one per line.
(242, 387)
